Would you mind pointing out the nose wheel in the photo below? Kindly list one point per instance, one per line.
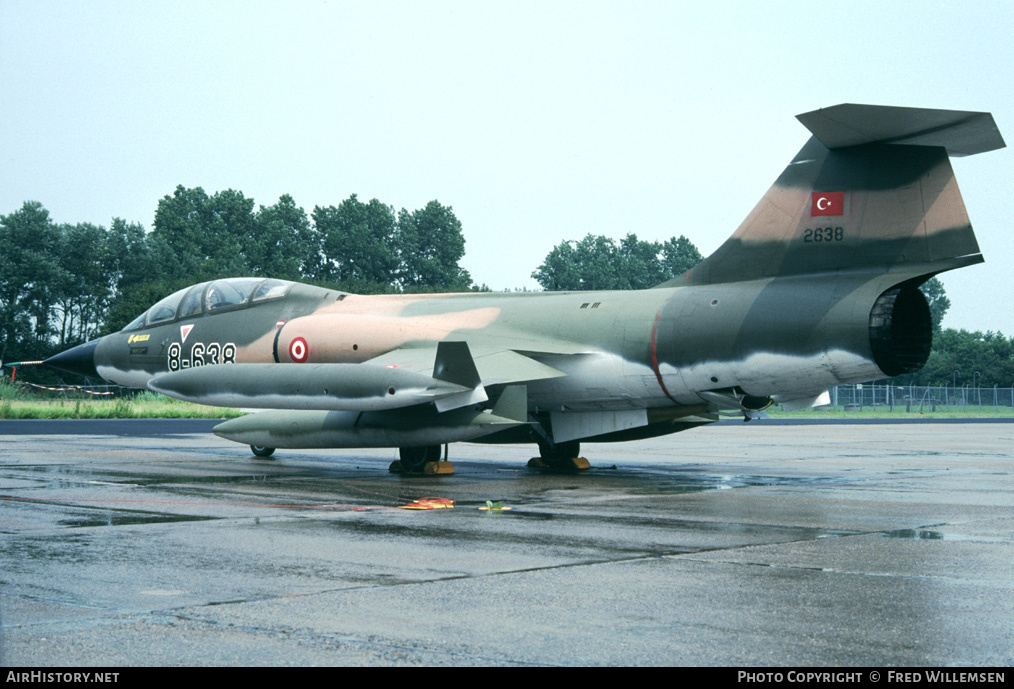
(261, 451)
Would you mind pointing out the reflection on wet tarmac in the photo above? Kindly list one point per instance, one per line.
(752, 546)
(109, 518)
(920, 534)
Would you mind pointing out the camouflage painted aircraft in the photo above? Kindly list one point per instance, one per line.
(817, 287)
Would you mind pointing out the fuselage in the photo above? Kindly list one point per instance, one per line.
(618, 349)
(818, 286)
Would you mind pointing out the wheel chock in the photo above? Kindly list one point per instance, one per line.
(579, 463)
(441, 468)
(569, 464)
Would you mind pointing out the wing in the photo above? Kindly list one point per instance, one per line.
(406, 397)
(491, 366)
(445, 374)
(454, 363)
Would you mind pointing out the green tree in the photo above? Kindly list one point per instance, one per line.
(589, 264)
(431, 244)
(205, 234)
(933, 290)
(83, 292)
(357, 244)
(598, 263)
(137, 264)
(180, 222)
(30, 276)
(637, 263)
(679, 256)
(232, 232)
(968, 358)
(561, 270)
(134, 256)
(284, 244)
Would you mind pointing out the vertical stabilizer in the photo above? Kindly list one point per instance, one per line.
(872, 189)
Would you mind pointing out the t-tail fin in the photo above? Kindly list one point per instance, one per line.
(872, 189)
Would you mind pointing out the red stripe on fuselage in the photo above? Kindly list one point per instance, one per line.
(654, 356)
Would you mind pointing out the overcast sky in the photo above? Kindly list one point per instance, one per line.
(537, 122)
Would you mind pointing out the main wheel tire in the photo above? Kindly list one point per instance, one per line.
(262, 451)
(413, 459)
(554, 455)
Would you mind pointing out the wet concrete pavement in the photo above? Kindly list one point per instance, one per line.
(739, 544)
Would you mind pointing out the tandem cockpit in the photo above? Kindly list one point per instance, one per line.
(174, 334)
(214, 296)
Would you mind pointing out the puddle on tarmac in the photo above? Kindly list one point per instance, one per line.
(710, 482)
(127, 519)
(62, 475)
(916, 535)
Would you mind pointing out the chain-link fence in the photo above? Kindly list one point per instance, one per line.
(918, 398)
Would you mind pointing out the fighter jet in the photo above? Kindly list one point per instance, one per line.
(817, 287)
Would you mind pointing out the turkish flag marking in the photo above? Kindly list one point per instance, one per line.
(828, 203)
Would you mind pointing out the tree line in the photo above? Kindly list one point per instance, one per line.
(599, 263)
(63, 284)
(960, 358)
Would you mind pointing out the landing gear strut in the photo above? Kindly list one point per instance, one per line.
(421, 460)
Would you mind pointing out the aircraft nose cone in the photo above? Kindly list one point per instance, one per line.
(79, 360)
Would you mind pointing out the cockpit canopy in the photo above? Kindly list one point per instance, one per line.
(211, 297)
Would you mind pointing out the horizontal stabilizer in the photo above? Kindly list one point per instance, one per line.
(961, 133)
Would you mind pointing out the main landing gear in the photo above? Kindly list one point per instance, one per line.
(560, 456)
(427, 460)
(421, 460)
